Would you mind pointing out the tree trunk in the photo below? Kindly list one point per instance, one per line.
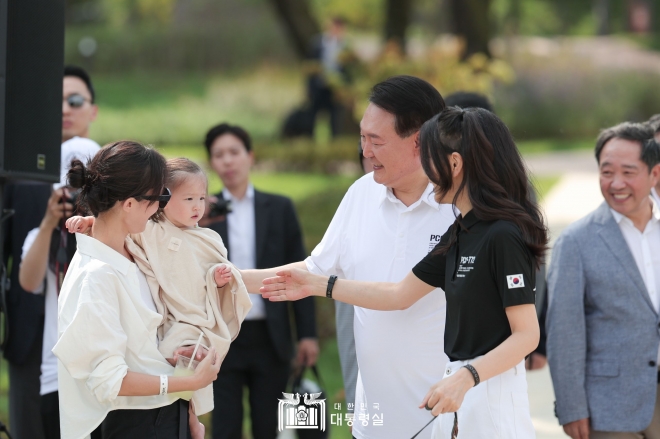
(472, 22)
(514, 15)
(397, 20)
(602, 14)
(299, 23)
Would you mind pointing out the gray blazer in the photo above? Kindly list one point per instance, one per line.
(603, 332)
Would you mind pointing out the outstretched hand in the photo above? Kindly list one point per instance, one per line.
(293, 284)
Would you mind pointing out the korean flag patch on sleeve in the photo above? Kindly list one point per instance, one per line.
(515, 281)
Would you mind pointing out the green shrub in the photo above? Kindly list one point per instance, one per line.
(179, 49)
(573, 101)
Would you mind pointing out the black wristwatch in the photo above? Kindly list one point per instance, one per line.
(331, 284)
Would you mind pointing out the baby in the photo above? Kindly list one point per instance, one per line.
(195, 288)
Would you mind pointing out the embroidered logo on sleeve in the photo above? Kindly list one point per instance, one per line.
(174, 245)
(515, 281)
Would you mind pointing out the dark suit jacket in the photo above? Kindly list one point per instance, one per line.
(279, 242)
(25, 311)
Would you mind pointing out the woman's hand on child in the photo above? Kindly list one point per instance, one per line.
(207, 370)
(222, 275)
(446, 396)
(79, 224)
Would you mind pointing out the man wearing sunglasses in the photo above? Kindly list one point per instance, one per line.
(78, 107)
(32, 312)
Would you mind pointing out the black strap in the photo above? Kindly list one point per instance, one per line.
(297, 379)
(474, 373)
(424, 427)
(183, 419)
(331, 284)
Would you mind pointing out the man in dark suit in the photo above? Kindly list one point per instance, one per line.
(262, 231)
(25, 311)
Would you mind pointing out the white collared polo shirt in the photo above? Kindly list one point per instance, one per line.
(375, 237)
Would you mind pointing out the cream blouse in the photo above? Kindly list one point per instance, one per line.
(104, 329)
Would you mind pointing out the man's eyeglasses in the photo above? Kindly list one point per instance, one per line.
(76, 100)
(162, 199)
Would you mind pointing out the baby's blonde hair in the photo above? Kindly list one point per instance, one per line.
(178, 170)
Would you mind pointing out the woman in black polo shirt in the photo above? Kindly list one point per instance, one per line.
(485, 263)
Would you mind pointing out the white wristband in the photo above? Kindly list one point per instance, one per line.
(163, 384)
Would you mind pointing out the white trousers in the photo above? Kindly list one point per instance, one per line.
(495, 409)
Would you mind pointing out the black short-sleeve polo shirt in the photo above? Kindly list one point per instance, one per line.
(488, 269)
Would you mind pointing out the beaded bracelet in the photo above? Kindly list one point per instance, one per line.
(474, 373)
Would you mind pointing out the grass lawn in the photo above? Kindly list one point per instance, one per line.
(165, 109)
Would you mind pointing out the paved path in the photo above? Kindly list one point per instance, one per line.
(562, 162)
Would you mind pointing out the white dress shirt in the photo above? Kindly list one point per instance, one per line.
(105, 329)
(242, 235)
(375, 237)
(645, 248)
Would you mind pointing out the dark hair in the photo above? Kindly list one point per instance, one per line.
(494, 175)
(654, 122)
(635, 132)
(411, 100)
(81, 74)
(119, 171)
(467, 99)
(225, 128)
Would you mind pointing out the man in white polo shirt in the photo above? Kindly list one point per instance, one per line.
(387, 222)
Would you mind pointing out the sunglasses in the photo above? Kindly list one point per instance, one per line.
(75, 100)
(162, 199)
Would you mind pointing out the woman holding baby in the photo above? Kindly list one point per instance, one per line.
(111, 372)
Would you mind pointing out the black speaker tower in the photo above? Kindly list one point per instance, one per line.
(31, 68)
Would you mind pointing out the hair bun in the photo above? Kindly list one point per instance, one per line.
(77, 175)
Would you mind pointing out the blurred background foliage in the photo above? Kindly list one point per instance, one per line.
(168, 69)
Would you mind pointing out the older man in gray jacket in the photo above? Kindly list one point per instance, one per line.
(604, 284)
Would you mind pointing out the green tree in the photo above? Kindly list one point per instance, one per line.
(397, 20)
(300, 24)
